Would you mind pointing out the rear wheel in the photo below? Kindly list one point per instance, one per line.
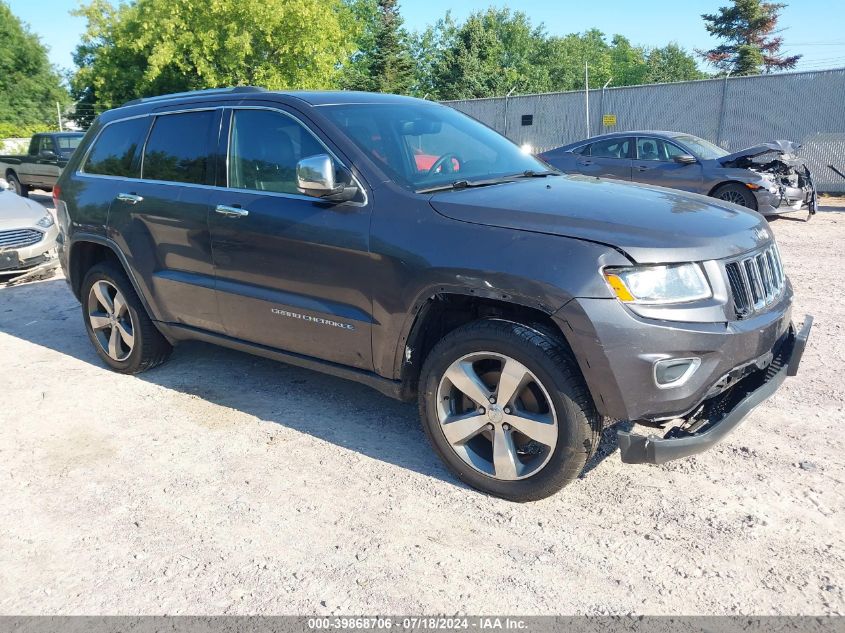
(507, 410)
(17, 186)
(738, 194)
(117, 323)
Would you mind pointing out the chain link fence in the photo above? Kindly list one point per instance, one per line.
(737, 112)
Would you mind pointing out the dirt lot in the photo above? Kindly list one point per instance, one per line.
(223, 483)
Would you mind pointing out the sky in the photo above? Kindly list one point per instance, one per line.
(813, 28)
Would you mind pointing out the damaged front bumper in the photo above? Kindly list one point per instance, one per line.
(718, 416)
(789, 199)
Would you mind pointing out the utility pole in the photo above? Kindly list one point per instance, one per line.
(601, 102)
(59, 112)
(587, 95)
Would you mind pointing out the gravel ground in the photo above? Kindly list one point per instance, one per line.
(224, 483)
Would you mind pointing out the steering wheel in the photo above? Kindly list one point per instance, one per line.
(445, 162)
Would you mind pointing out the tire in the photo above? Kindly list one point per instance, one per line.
(738, 194)
(125, 338)
(17, 186)
(535, 470)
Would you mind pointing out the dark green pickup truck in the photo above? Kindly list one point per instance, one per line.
(41, 166)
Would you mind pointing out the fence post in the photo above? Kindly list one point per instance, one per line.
(722, 110)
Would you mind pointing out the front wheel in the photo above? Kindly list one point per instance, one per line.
(738, 194)
(507, 410)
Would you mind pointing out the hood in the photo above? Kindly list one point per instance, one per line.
(787, 151)
(17, 212)
(650, 224)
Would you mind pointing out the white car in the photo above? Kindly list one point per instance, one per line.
(27, 235)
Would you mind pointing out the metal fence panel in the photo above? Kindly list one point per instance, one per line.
(807, 107)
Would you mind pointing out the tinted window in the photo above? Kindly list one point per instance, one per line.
(264, 149)
(611, 148)
(115, 149)
(178, 148)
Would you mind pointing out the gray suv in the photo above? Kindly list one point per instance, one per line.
(403, 245)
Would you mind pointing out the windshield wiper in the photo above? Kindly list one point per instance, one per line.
(466, 184)
(463, 184)
(530, 173)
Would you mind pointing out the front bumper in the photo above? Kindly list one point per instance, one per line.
(723, 413)
(42, 254)
(617, 351)
(788, 200)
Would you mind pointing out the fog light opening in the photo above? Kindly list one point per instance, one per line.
(674, 372)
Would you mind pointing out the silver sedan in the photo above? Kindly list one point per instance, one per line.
(27, 235)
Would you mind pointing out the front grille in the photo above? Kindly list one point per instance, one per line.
(756, 281)
(19, 238)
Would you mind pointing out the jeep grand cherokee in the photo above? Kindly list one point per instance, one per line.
(522, 308)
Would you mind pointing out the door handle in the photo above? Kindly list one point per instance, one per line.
(231, 212)
(643, 168)
(129, 198)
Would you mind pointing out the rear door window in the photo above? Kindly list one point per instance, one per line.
(179, 147)
(611, 148)
(115, 149)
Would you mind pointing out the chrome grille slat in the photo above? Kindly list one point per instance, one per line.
(755, 281)
(20, 238)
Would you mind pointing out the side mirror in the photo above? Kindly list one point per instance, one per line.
(48, 154)
(4, 185)
(316, 177)
(685, 159)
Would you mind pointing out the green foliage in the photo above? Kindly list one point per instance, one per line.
(496, 51)
(382, 62)
(29, 85)
(748, 28)
(150, 47)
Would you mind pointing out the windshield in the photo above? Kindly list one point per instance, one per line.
(701, 149)
(425, 146)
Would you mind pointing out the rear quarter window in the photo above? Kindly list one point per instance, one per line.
(114, 151)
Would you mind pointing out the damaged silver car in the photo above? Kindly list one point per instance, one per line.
(768, 178)
(27, 238)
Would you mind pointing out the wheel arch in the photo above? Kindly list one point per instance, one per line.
(442, 312)
(87, 250)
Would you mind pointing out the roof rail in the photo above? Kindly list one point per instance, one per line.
(196, 93)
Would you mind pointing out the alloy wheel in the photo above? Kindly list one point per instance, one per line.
(111, 320)
(735, 197)
(497, 416)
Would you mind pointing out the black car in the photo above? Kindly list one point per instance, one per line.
(401, 244)
(768, 177)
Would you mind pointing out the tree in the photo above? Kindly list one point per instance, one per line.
(496, 51)
(670, 63)
(29, 85)
(151, 47)
(752, 44)
(383, 61)
(491, 53)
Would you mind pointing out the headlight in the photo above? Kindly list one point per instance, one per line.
(676, 283)
(46, 222)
